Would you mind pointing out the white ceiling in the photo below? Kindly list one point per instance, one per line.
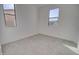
(39, 5)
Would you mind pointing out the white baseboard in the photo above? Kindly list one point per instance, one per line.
(26, 36)
(58, 37)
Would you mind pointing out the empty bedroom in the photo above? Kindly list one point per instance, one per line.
(39, 29)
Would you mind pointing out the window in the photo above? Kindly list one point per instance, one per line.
(9, 14)
(53, 16)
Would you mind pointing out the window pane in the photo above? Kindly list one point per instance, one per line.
(54, 13)
(9, 14)
(8, 6)
(10, 20)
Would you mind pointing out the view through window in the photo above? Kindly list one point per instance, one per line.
(53, 15)
(9, 14)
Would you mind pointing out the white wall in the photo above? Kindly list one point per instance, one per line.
(0, 25)
(0, 32)
(77, 24)
(26, 16)
(66, 28)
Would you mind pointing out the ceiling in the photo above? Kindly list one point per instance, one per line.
(39, 5)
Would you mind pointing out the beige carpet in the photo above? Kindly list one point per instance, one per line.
(38, 45)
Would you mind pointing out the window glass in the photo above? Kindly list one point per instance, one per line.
(54, 12)
(9, 14)
(53, 15)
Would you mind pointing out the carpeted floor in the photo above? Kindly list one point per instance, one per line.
(38, 45)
